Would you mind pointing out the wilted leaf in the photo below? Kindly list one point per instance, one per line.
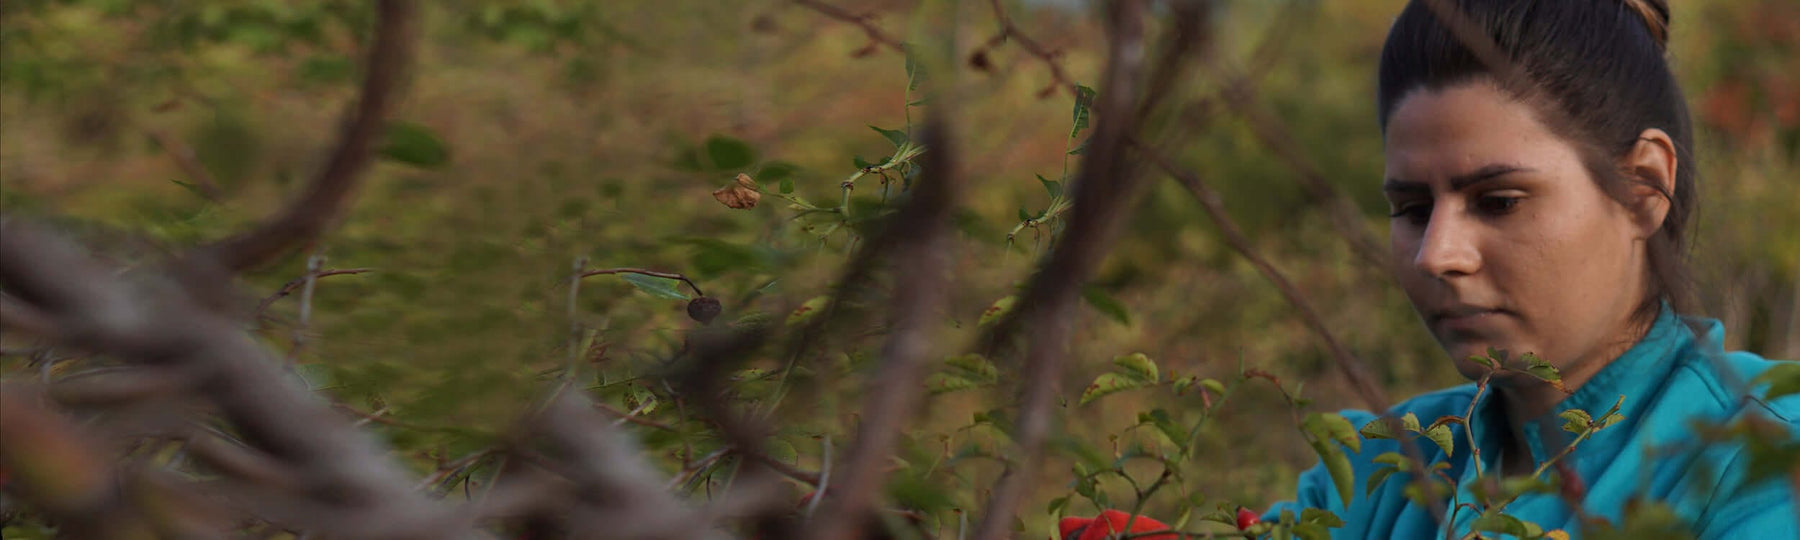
(1108, 383)
(741, 194)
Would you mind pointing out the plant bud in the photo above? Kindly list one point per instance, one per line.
(704, 309)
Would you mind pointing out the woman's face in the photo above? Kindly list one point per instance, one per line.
(1501, 238)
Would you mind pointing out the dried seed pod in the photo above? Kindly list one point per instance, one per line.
(704, 309)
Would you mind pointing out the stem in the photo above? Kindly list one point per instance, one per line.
(652, 273)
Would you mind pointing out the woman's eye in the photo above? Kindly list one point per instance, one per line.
(1416, 214)
(1497, 204)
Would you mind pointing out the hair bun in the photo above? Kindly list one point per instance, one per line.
(1655, 15)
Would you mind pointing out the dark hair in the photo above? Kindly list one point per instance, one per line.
(1595, 72)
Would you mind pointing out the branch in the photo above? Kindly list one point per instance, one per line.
(618, 493)
(100, 312)
(1108, 184)
(651, 273)
(1353, 369)
(1059, 79)
(329, 192)
(920, 257)
(289, 287)
(876, 35)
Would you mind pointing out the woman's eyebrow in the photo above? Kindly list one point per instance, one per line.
(1458, 182)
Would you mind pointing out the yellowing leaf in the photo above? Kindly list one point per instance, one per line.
(1441, 435)
(1333, 426)
(999, 309)
(808, 310)
(1138, 367)
(1108, 383)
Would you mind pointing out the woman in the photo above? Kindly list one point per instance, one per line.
(1541, 205)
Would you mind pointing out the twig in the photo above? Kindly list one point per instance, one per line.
(1277, 138)
(633, 417)
(876, 35)
(311, 281)
(327, 194)
(289, 287)
(186, 160)
(651, 273)
(1347, 363)
(1059, 79)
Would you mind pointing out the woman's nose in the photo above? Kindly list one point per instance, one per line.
(1449, 247)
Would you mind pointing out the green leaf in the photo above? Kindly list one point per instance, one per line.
(1410, 422)
(1393, 458)
(656, 286)
(414, 144)
(1081, 148)
(786, 186)
(1333, 426)
(943, 383)
(1108, 383)
(1338, 465)
(899, 138)
(1138, 367)
(1483, 360)
(1442, 436)
(1164, 423)
(1499, 523)
(997, 310)
(728, 153)
(915, 73)
(974, 367)
(1783, 379)
(1539, 368)
(1084, 106)
(1054, 188)
(1312, 531)
(1376, 478)
(1106, 304)
(1320, 516)
(1577, 421)
(1213, 385)
(1024, 215)
(1377, 429)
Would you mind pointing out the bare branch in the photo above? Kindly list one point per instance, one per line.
(329, 192)
(876, 35)
(1059, 79)
(616, 493)
(289, 287)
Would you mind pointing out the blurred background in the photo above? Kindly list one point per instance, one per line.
(535, 133)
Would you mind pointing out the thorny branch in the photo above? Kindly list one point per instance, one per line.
(920, 256)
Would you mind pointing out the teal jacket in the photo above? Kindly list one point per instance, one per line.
(1669, 380)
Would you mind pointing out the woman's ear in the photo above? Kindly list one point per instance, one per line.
(1651, 165)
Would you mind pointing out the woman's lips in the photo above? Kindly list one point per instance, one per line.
(1465, 319)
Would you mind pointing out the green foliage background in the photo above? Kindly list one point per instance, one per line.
(535, 133)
